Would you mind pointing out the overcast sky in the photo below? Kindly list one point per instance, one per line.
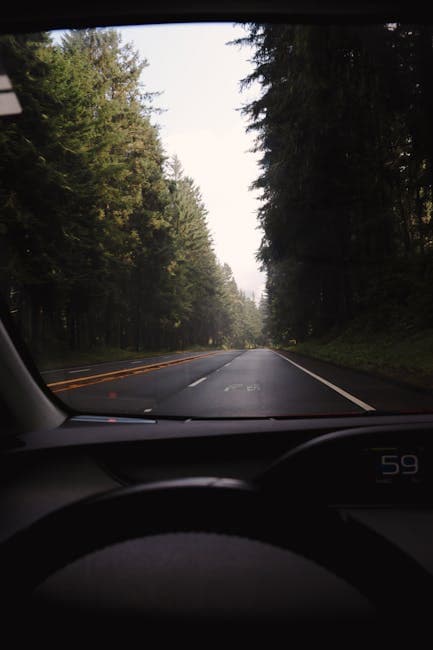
(199, 75)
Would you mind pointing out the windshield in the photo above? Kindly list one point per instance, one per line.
(221, 220)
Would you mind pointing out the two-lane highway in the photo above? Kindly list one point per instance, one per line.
(235, 383)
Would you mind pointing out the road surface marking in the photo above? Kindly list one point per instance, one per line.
(233, 387)
(249, 388)
(147, 410)
(139, 361)
(71, 372)
(113, 375)
(227, 364)
(337, 389)
(197, 382)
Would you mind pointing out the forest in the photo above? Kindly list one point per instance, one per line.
(344, 127)
(104, 241)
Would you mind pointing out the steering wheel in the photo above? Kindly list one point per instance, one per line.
(390, 579)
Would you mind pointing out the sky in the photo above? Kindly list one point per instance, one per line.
(198, 76)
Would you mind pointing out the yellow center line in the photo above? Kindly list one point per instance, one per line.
(90, 380)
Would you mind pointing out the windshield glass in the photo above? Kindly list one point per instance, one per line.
(221, 220)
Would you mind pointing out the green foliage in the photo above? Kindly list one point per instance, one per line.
(102, 246)
(405, 357)
(345, 131)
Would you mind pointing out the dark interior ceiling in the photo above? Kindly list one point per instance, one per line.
(75, 13)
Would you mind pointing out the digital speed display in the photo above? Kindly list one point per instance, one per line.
(390, 468)
(394, 465)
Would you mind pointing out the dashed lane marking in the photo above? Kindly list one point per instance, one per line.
(90, 380)
(195, 383)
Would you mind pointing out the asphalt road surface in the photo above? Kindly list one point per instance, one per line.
(235, 383)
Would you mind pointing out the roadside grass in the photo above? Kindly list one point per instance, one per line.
(69, 358)
(399, 355)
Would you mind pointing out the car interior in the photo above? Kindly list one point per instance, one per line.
(208, 522)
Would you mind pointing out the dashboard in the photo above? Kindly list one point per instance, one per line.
(318, 477)
(341, 461)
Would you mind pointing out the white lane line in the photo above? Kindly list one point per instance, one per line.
(147, 410)
(71, 372)
(195, 383)
(337, 389)
(226, 364)
(140, 361)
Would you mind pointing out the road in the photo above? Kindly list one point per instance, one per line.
(235, 383)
